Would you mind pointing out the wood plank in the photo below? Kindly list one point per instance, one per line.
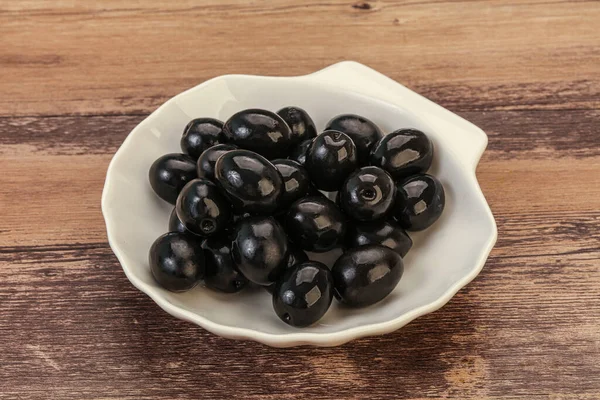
(57, 200)
(111, 58)
(539, 134)
(35, 136)
(523, 134)
(66, 159)
(486, 343)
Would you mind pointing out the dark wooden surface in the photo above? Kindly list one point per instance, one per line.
(76, 77)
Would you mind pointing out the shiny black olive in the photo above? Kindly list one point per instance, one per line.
(368, 194)
(203, 209)
(384, 232)
(293, 257)
(365, 275)
(315, 224)
(261, 131)
(208, 159)
(363, 133)
(330, 159)
(403, 153)
(177, 261)
(251, 182)
(201, 134)
(300, 123)
(298, 152)
(221, 272)
(170, 173)
(420, 201)
(304, 293)
(316, 192)
(296, 183)
(259, 249)
(238, 217)
(175, 224)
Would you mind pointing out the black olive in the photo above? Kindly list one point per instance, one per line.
(238, 217)
(221, 272)
(316, 192)
(420, 201)
(201, 134)
(315, 224)
(296, 183)
(170, 173)
(259, 249)
(261, 131)
(175, 224)
(177, 261)
(368, 194)
(298, 152)
(363, 133)
(403, 153)
(384, 232)
(304, 293)
(251, 182)
(208, 159)
(330, 159)
(300, 123)
(365, 275)
(203, 209)
(293, 257)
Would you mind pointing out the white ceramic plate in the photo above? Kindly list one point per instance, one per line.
(444, 258)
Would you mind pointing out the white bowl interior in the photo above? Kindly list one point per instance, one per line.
(441, 256)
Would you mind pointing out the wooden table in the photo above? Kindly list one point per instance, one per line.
(76, 77)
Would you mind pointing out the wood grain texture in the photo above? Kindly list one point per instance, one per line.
(78, 76)
(115, 57)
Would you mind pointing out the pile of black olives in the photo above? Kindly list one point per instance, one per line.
(249, 197)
